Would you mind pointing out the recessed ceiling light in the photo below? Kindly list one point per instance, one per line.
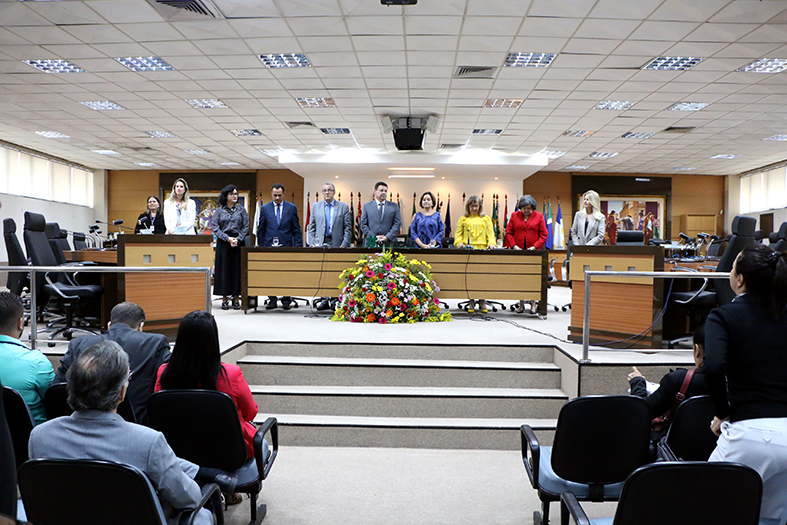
(105, 152)
(271, 152)
(335, 131)
(529, 59)
(246, 132)
(765, 65)
(487, 131)
(615, 104)
(316, 102)
(577, 134)
(198, 151)
(146, 164)
(688, 106)
(636, 135)
(553, 154)
(777, 137)
(285, 60)
(144, 63)
(229, 163)
(206, 103)
(602, 155)
(54, 66)
(52, 135)
(503, 103)
(102, 105)
(576, 167)
(160, 134)
(673, 63)
(641, 179)
(728, 156)
(683, 168)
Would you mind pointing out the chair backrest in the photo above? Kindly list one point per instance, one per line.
(71, 491)
(37, 246)
(80, 241)
(601, 439)
(20, 422)
(781, 244)
(201, 426)
(16, 257)
(689, 435)
(630, 237)
(8, 505)
(56, 404)
(62, 240)
(689, 493)
(742, 237)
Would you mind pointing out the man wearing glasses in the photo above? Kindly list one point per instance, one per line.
(330, 223)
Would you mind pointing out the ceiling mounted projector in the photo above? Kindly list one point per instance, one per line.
(409, 132)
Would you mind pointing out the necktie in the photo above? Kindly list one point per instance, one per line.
(328, 221)
(278, 214)
(382, 209)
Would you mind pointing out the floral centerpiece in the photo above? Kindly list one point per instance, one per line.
(388, 288)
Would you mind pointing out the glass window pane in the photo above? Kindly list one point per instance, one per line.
(79, 187)
(774, 188)
(61, 181)
(4, 153)
(39, 177)
(19, 174)
(745, 194)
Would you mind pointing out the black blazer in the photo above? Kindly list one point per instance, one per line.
(143, 221)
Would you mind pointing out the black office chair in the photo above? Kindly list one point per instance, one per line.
(689, 437)
(599, 441)
(17, 281)
(8, 501)
(202, 426)
(781, 242)
(56, 404)
(20, 422)
(80, 241)
(630, 238)
(83, 491)
(683, 493)
(53, 287)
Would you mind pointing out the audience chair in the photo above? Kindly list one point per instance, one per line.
(20, 422)
(683, 493)
(202, 426)
(781, 243)
(83, 491)
(9, 505)
(599, 441)
(56, 404)
(17, 281)
(80, 241)
(689, 437)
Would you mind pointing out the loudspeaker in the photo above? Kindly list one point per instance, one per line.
(409, 139)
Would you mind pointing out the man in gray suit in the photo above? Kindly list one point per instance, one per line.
(380, 218)
(97, 384)
(330, 223)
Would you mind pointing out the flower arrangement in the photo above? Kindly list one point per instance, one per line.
(388, 288)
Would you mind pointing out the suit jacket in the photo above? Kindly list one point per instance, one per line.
(288, 231)
(372, 224)
(594, 235)
(146, 353)
(143, 221)
(341, 225)
(526, 233)
(97, 435)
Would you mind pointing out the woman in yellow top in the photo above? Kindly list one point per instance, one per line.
(475, 230)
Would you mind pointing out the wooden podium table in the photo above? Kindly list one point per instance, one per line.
(460, 274)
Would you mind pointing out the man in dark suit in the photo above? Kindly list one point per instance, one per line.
(146, 353)
(279, 221)
(380, 218)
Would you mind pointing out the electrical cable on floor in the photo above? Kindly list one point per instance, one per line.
(492, 318)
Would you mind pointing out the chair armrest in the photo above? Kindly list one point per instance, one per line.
(210, 492)
(571, 511)
(530, 443)
(690, 299)
(57, 290)
(264, 466)
(684, 269)
(664, 452)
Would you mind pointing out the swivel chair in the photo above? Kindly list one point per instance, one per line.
(781, 243)
(17, 281)
(630, 238)
(20, 422)
(56, 404)
(689, 437)
(80, 241)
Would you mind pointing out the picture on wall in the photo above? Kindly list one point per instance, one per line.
(207, 203)
(639, 212)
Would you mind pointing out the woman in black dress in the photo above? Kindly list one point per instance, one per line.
(230, 225)
(153, 218)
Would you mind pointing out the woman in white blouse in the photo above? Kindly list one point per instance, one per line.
(180, 211)
(589, 223)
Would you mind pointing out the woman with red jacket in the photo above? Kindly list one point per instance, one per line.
(526, 230)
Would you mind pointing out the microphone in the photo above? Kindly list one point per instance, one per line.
(116, 222)
(684, 236)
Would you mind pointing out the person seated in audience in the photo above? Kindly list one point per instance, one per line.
(146, 353)
(526, 230)
(427, 228)
(27, 371)
(746, 370)
(475, 230)
(663, 399)
(152, 219)
(97, 383)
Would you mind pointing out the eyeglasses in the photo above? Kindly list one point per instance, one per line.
(329, 191)
(234, 193)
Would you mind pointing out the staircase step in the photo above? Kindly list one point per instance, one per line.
(293, 370)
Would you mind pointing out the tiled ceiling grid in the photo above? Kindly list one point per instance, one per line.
(374, 60)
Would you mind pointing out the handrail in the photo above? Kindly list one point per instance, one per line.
(671, 275)
(33, 270)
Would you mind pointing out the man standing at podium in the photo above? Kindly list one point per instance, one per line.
(380, 219)
(279, 226)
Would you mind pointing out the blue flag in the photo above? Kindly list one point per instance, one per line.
(548, 244)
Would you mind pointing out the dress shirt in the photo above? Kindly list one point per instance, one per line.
(329, 209)
(28, 372)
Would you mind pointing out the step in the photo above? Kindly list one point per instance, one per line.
(294, 370)
(459, 352)
(388, 401)
(441, 433)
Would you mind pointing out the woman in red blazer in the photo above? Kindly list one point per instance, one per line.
(526, 230)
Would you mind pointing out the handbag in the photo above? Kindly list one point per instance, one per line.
(662, 421)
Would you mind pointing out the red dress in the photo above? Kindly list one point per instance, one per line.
(525, 234)
(238, 389)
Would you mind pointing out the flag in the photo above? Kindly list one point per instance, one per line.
(256, 214)
(399, 203)
(548, 244)
(414, 211)
(505, 215)
(558, 237)
(358, 232)
(494, 216)
(448, 231)
(352, 219)
(308, 213)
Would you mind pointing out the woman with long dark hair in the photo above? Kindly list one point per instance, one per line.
(230, 225)
(152, 219)
(196, 363)
(746, 372)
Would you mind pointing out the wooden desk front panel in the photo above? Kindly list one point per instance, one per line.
(166, 297)
(102, 257)
(194, 255)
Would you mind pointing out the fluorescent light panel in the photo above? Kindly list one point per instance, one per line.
(503, 103)
(403, 176)
(229, 163)
(316, 102)
(206, 103)
(246, 132)
(335, 131)
(602, 155)
(54, 66)
(52, 135)
(198, 151)
(487, 131)
(576, 167)
(144, 63)
(618, 105)
(636, 135)
(529, 59)
(412, 169)
(160, 134)
(577, 134)
(271, 152)
(683, 168)
(554, 154)
(777, 137)
(102, 105)
(688, 106)
(277, 60)
(146, 164)
(765, 65)
(105, 152)
(728, 156)
(673, 63)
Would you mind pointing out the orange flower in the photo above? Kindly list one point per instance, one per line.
(415, 300)
(395, 301)
(370, 318)
(389, 313)
(370, 297)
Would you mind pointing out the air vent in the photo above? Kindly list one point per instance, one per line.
(294, 125)
(195, 6)
(678, 129)
(474, 72)
(186, 9)
(142, 149)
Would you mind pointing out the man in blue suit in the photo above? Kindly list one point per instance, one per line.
(279, 221)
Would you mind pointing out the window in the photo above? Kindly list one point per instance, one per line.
(766, 190)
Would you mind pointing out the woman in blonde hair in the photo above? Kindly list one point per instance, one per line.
(589, 222)
(180, 211)
(475, 230)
